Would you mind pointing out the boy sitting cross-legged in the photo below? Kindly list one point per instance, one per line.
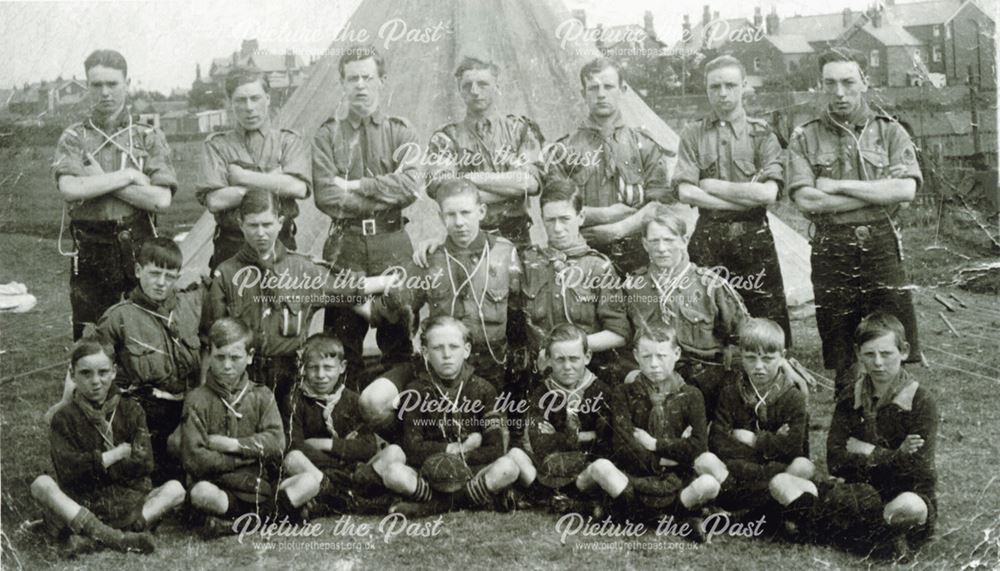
(660, 436)
(335, 457)
(452, 432)
(231, 433)
(101, 453)
(760, 426)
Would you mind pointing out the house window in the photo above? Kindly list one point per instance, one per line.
(756, 64)
(947, 31)
(873, 59)
(936, 54)
(937, 31)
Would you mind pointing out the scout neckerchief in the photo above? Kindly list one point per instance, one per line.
(162, 310)
(327, 402)
(762, 397)
(658, 392)
(112, 139)
(666, 313)
(559, 260)
(102, 416)
(468, 282)
(573, 397)
(865, 399)
(229, 397)
(450, 392)
(606, 134)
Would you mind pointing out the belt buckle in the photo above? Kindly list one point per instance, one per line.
(736, 229)
(862, 232)
(368, 227)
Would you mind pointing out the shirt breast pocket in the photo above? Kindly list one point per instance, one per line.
(824, 164)
(746, 168)
(708, 165)
(695, 328)
(150, 363)
(582, 302)
(876, 163)
(497, 292)
(535, 300)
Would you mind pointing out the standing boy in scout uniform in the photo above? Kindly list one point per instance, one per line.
(701, 306)
(364, 175)
(114, 175)
(620, 169)
(570, 282)
(500, 154)
(253, 155)
(729, 167)
(155, 336)
(848, 171)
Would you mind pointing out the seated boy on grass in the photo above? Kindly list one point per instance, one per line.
(453, 434)
(335, 458)
(231, 434)
(760, 429)
(102, 457)
(568, 431)
(661, 462)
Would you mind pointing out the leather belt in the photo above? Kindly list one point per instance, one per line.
(371, 226)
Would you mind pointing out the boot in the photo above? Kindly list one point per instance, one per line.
(86, 523)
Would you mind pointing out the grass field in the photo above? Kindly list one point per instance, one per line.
(964, 377)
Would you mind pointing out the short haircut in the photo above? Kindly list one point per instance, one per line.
(162, 252)
(443, 321)
(725, 61)
(596, 66)
(471, 63)
(655, 332)
(878, 324)
(229, 330)
(567, 332)
(843, 54)
(106, 58)
(450, 187)
(241, 75)
(763, 335)
(561, 190)
(361, 53)
(664, 217)
(88, 345)
(258, 200)
(322, 346)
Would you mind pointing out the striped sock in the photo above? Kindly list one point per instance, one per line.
(478, 492)
(423, 492)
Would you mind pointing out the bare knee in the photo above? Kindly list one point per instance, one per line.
(504, 471)
(397, 475)
(601, 467)
(377, 401)
(802, 467)
(43, 487)
(174, 491)
(203, 494)
(906, 509)
(392, 454)
(710, 464)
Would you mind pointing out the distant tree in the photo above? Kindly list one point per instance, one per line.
(205, 95)
(148, 95)
(690, 70)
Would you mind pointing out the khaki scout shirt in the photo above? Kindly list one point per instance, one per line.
(602, 162)
(495, 144)
(156, 344)
(126, 144)
(705, 311)
(742, 150)
(864, 150)
(578, 285)
(380, 150)
(265, 150)
(477, 284)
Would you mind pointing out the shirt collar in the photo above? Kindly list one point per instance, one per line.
(375, 118)
(263, 130)
(615, 124)
(491, 119)
(120, 120)
(900, 392)
(738, 124)
(861, 115)
(475, 246)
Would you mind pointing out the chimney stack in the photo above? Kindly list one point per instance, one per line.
(686, 27)
(647, 25)
(581, 15)
(758, 19)
(772, 22)
(706, 16)
(846, 18)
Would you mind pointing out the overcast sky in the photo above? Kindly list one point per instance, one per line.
(164, 39)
